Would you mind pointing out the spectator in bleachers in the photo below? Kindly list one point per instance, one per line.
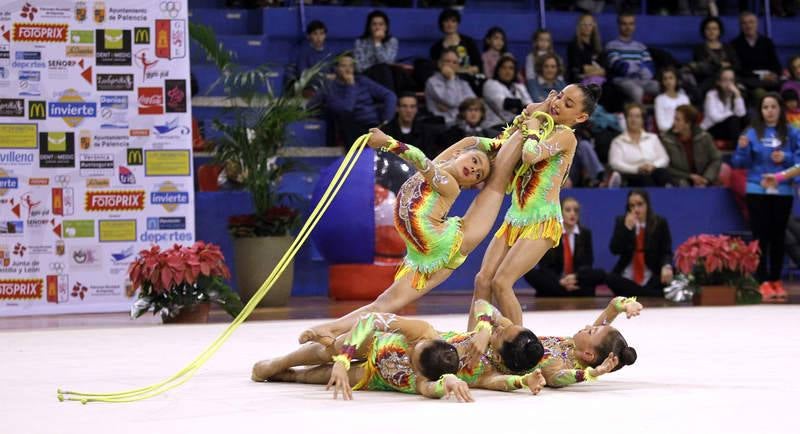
(315, 52)
(504, 96)
(630, 64)
(712, 55)
(408, 128)
(769, 146)
(760, 67)
(353, 102)
(494, 46)
(547, 78)
(587, 170)
(638, 155)
(541, 44)
(671, 97)
(445, 90)
(567, 269)
(376, 50)
(584, 53)
(469, 58)
(471, 113)
(643, 242)
(723, 109)
(693, 158)
(791, 102)
(792, 80)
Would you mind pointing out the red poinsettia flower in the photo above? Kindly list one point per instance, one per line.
(164, 270)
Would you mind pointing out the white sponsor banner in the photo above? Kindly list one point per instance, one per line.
(95, 148)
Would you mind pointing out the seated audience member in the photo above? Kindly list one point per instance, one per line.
(353, 102)
(638, 155)
(505, 98)
(693, 158)
(469, 58)
(712, 55)
(586, 170)
(407, 128)
(315, 51)
(671, 97)
(494, 46)
(376, 50)
(541, 44)
(791, 102)
(584, 53)
(724, 109)
(445, 90)
(547, 77)
(792, 75)
(643, 243)
(760, 67)
(567, 269)
(469, 122)
(629, 62)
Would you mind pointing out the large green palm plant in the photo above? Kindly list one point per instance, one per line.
(260, 118)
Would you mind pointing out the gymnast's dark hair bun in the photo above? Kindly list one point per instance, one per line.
(627, 356)
(591, 95)
(521, 354)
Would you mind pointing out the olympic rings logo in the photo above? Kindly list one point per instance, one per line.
(171, 8)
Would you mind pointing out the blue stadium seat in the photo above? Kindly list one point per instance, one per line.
(307, 133)
(229, 21)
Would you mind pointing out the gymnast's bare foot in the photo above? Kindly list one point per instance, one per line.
(317, 334)
(263, 370)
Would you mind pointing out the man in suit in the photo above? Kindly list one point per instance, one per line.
(566, 270)
(643, 243)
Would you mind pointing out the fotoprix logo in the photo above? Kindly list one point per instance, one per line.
(72, 108)
(151, 101)
(12, 107)
(21, 289)
(37, 110)
(115, 82)
(171, 39)
(169, 197)
(40, 32)
(122, 200)
(135, 157)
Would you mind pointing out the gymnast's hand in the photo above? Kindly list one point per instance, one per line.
(478, 345)
(607, 366)
(535, 381)
(458, 388)
(377, 139)
(633, 308)
(340, 382)
(543, 106)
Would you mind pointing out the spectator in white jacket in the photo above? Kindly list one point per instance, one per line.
(724, 109)
(672, 97)
(637, 154)
(444, 90)
(504, 97)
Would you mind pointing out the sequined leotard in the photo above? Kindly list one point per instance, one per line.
(388, 366)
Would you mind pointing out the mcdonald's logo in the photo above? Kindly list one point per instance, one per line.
(36, 110)
(141, 35)
(135, 157)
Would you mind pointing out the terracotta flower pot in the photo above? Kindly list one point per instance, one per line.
(716, 295)
(254, 260)
(194, 314)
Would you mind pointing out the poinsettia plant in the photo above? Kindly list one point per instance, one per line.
(173, 279)
(719, 259)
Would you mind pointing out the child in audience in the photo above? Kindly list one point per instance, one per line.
(494, 46)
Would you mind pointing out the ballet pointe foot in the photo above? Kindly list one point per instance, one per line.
(263, 370)
(318, 335)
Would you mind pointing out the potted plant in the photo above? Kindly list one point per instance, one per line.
(719, 269)
(180, 283)
(252, 141)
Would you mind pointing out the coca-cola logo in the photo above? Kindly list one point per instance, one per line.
(151, 101)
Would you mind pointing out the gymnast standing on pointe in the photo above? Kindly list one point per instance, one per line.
(533, 223)
(435, 243)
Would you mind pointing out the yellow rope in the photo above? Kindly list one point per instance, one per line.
(189, 370)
